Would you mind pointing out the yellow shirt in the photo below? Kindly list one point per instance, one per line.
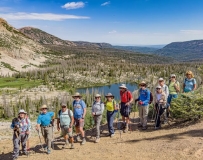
(110, 105)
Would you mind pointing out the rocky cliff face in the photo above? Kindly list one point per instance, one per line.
(17, 50)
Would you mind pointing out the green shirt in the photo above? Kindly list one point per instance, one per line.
(171, 87)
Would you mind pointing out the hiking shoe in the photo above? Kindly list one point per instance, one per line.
(25, 153)
(97, 140)
(45, 148)
(72, 146)
(144, 128)
(156, 128)
(65, 145)
(78, 139)
(83, 141)
(48, 151)
(112, 135)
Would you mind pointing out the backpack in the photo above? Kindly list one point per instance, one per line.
(151, 96)
(59, 113)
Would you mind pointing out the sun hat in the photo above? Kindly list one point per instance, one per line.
(158, 87)
(161, 79)
(97, 95)
(123, 86)
(77, 94)
(109, 95)
(22, 111)
(143, 82)
(173, 75)
(63, 104)
(43, 106)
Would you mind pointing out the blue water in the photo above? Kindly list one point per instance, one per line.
(103, 90)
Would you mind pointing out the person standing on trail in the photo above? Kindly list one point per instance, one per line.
(97, 111)
(21, 127)
(143, 104)
(189, 82)
(111, 108)
(65, 121)
(79, 113)
(160, 103)
(164, 89)
(126, 100)
(44, 121)
(174, 88)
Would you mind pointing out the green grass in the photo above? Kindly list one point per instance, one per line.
(18, 82)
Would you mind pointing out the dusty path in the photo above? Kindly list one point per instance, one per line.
(169, 143)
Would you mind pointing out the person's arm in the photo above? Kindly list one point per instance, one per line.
(84, 109)
(38, 123)
(72, 121)
(93, 113)
(194, 85)
(131, 97)
(177, 86)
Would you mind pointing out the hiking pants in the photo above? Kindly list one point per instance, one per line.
(110, 118)
(97, 122)
(170, 97)
(47, 134)
(16, 144)
(143, 114)
(159, 112)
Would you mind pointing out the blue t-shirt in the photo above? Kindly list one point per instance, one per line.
(189, 84)
(45, 119)
(78, 108)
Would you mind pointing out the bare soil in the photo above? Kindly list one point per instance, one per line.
(174, 142)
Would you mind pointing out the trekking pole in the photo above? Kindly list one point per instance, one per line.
(130, 127)
(40, 141)
(52, 143)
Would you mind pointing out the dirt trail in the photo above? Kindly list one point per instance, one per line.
(169, 143)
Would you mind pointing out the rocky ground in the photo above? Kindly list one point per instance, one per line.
(175, 142)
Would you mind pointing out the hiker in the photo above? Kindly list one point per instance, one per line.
(164, 89)
(21, 127)
(160, 104)
(65, 121)
(143, 104)
(126, 100)
(111, 108)
(189, 82)
(97, 111)
(44, 121)
(174, 88)
(79, 113)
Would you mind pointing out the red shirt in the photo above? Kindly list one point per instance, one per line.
(125, 96)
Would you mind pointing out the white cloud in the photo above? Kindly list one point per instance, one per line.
(73, 5)
(193, 32)
(5, 9)
(114, 31)
(106, 3)
(39, 16)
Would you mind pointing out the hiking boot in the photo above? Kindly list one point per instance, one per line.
(78, 139)
(45, 148)
(65, 145)
(126, 129)
(112, 135)
(144, 127)
(156, 128)
(48, 151)
(97, 140)
(83, 141)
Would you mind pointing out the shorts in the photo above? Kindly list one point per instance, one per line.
(125, 110)
(64, 131)
(79, 122)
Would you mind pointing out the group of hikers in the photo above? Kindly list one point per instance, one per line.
(67, 118)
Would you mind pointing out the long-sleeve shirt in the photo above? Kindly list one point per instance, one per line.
(98, 108)
(144, 96)
(23, 124)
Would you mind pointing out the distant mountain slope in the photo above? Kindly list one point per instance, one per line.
(92, 44)
(17, 51)
(145, 50)
(183, 51)
(43, 37)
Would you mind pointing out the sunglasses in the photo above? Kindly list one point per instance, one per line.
(142, 85)
(44, 108)
(173, 77)
(158, 88)
(97, 97)
(63, 106)
(188, 74)
(160, 81)
(76, 97)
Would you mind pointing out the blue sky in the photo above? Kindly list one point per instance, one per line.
(119, 22)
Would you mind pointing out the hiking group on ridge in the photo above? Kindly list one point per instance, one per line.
(67, 118)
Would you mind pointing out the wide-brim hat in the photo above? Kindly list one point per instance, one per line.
(173, 75)
(161, 79)
(43, 106)
(63, 104)
(22, 111)
(143, 83)
(158, 87)
(109, 95)
(77, 94)
(97, 95)
(123, 86)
